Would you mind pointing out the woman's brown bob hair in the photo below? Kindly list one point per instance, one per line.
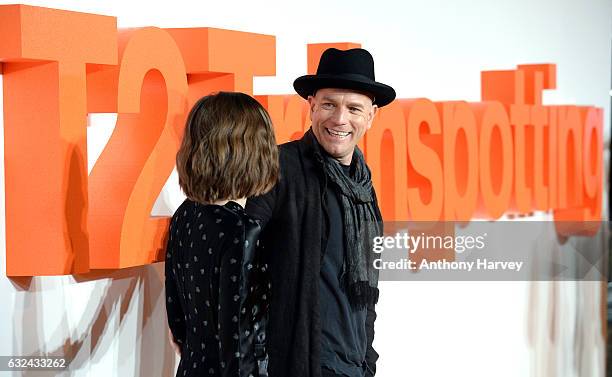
(228, 149)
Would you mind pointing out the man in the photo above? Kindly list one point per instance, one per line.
(318, 221)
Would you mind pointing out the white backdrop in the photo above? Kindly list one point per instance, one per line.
(436, 49)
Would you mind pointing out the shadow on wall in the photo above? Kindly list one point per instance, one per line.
(122, 330)
(107, 322)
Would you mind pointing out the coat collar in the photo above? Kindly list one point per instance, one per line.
(311, 146)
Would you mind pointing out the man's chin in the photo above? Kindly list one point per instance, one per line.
(337, 153)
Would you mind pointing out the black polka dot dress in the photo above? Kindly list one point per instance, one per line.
(217, 291)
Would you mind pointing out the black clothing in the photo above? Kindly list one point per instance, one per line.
(216, 292)
(343, 336)
(295, 234)
(361, 222)
(329, 373)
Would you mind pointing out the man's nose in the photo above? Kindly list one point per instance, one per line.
(340, 116)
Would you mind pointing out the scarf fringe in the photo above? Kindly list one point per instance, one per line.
(361, 295)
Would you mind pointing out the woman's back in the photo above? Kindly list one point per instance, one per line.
(212, 297)
(217, 291)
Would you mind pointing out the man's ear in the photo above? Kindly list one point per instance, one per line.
(311, 103)
(372, 115)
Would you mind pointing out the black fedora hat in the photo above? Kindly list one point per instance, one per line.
(345, 69)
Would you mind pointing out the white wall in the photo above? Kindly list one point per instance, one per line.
(435, 49)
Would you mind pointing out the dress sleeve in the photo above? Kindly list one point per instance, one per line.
(241, 305)
(174, 311)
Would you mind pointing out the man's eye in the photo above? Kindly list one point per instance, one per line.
(355, 109)
(327, 105)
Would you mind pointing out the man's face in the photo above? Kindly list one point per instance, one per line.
(340, 118)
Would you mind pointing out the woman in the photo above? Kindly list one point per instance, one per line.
(216, 291)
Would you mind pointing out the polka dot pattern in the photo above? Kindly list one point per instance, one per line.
(218, 288)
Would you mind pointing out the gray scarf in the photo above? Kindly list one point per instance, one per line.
(362, 222)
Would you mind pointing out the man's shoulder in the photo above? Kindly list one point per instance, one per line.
(292, 152)
(296, 161)
(290, 147)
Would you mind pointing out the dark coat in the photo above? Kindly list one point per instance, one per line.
(295, 233)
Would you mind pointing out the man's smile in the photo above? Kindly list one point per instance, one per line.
(337, 134)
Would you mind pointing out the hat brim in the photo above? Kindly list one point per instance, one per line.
(307, 85)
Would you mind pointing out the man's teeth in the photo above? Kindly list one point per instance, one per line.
(338, 133)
